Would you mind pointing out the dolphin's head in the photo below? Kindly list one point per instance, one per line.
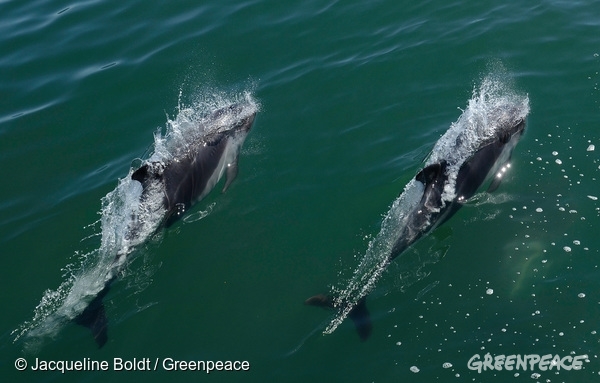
(510, 121)
(245, 123)
(517, 128)
(512, 131)
(234, 118)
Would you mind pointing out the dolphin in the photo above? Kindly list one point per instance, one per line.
(187, 179)
(170, 184)
(476, 148)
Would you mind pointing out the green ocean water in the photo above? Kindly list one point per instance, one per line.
(353, 97)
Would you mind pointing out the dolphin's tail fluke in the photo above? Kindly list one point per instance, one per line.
(94, 318)
(361, 318)
(359, 314)
(320, 300)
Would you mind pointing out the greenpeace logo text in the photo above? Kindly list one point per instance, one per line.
(530, 362)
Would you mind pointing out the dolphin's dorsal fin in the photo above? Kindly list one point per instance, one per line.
(147, 171)
(431, 172)
(141, 174)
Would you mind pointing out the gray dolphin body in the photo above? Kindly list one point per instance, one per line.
(432, 210)
(187, 179)
(171, 184)
(460, 163)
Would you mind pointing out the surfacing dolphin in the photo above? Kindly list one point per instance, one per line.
(170, 184)
(478, 146)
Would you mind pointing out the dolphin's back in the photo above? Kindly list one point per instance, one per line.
(187, 179)
(476, 169)
(471, 175)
